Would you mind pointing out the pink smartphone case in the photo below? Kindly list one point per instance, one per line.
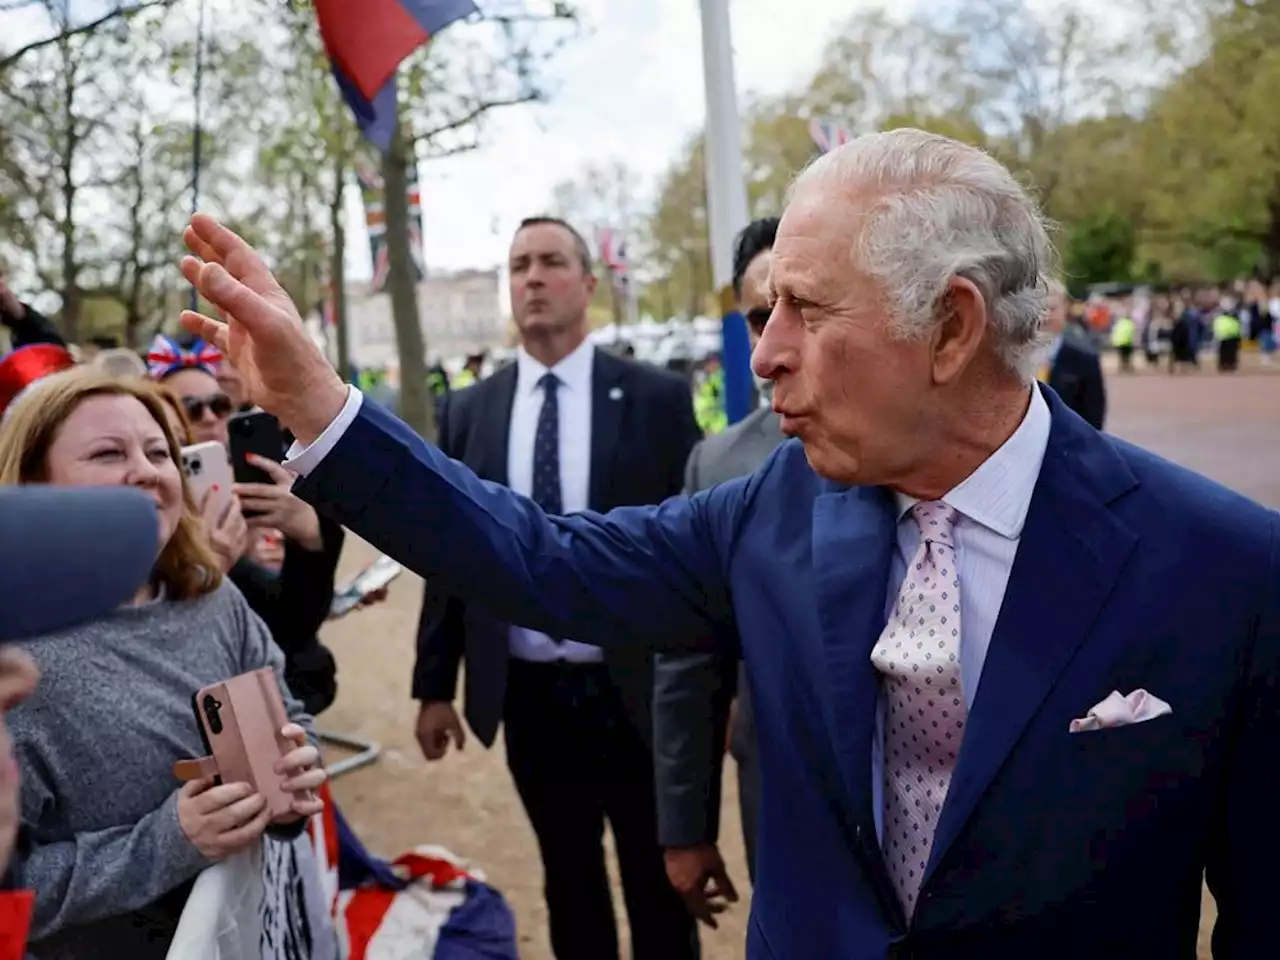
(246, 749)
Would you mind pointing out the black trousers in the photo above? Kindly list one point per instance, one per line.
(578, 760)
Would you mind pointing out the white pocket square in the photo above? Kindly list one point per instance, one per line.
(1120, 711)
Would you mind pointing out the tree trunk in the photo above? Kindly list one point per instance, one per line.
(416, 403)
(70, 268)
(337, 270)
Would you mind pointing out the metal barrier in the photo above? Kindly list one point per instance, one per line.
(366, 752)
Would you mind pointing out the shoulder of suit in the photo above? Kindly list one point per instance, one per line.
(720, 443)
(1188, 503)
(1081, 344)
(645, 371)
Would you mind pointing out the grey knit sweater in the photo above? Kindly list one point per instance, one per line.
(109, 864)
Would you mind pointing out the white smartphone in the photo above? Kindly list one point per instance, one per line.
(373, 577)
(206, 465)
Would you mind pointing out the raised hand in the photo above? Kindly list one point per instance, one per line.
(284, 372)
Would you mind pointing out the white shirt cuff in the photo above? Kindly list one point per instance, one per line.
(302, 460)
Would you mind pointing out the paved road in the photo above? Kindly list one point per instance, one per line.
(1228, 428)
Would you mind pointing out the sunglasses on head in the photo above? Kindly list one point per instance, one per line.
(219, 404)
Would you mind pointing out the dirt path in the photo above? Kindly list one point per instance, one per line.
(1227, 428)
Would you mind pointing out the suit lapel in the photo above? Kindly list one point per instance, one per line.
(608, 398)
(853, 536)
(494, 401)
(1071, 554)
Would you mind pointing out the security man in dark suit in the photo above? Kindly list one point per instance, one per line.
(574, 428)
(1072, 367)
(693, 692)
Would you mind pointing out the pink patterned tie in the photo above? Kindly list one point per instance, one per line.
(918, 657)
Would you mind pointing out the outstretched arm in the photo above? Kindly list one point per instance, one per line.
(654, 575)
(650, 575)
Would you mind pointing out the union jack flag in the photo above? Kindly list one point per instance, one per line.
(372, 190)
(828, 134)
(167, 356)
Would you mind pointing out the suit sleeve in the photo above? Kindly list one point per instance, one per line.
(1093, 404)
(691, 694)
(648, 575)
(441, 632)
(1243, 848)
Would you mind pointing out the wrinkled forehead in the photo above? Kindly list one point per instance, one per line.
(816, 241)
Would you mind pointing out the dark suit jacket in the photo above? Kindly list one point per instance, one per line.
(1051, 844)
(692, 692)
(642, 429)
(1076, 377)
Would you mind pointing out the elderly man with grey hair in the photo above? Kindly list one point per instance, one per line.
(956, 761)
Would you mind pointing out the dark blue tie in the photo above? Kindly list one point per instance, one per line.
(546, 449)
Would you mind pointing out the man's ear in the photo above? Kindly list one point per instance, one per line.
(962, 324)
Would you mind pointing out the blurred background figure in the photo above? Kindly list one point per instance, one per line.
(1071, 366)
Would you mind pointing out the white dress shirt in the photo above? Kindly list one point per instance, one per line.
(573, 398)
(992, 504)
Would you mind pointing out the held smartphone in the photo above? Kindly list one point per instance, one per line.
(240, 721)
(373, 577)
(257, 432)
(206, 465)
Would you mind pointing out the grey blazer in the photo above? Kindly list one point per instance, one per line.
(692, 692)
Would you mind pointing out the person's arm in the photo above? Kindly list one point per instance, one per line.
(441, 634)
(690, 713)
(295, 601)
(654, 575)
(27, 325)
(258, 649)
(691, 695)
(1241, 849)
(100, 873)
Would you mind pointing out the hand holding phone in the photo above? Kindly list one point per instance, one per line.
(377, 576)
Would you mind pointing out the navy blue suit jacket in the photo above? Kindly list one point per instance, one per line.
(1131, 573)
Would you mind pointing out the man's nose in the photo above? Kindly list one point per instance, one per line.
(769, 358)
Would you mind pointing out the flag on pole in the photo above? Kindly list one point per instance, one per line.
(372, 191)
(366, 41)
(613, 253)
(828, 134)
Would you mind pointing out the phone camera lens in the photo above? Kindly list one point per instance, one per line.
(212, 713)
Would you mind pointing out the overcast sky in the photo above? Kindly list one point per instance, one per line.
(631, 87)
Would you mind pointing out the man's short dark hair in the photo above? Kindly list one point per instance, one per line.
(756, 237)
(579, 243)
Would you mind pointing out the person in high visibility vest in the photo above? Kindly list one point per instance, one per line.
(708, 399)
(1124, 333)
(470, 373)
(438, 380)
(1227, 330)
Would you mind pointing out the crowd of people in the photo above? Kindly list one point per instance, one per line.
(627, 600)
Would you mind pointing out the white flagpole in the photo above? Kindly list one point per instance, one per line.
(726, 194)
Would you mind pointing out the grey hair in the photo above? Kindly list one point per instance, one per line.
(938, 208)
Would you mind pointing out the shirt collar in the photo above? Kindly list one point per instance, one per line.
(998, 494)
(573, 372)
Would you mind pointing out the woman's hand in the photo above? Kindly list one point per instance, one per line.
(221, 820)
(267, 549)
(225, 524)
(274, 506)
(302, 772)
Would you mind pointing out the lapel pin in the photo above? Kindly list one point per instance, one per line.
(615, 393)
